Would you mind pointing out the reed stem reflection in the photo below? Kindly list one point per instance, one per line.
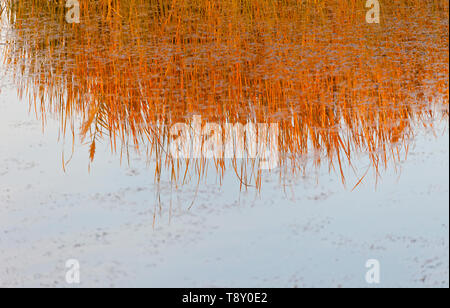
(334, 84)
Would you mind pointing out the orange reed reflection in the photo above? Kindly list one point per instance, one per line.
(334, 84)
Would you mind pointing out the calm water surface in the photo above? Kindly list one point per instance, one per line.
(88, 113)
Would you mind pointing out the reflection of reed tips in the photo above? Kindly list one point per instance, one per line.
(335, 85)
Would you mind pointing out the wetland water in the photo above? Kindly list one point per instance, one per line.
(87, 117)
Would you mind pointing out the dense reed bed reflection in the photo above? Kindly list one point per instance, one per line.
(334, 84)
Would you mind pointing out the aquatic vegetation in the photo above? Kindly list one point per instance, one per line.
(334, 84)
